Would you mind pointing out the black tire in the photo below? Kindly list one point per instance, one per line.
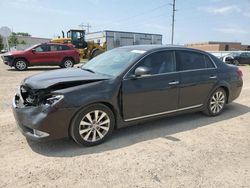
(67, 63)
(92, 129)
(95, 53)
(21, 64)
(216, 103)
(236, 62)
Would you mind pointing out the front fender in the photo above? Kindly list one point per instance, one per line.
(106, 92)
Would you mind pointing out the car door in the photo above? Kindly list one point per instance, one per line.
(54, 54)
(39, 55)
(198, 75)
(151, 94)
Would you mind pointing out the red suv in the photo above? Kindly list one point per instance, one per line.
(46, 54)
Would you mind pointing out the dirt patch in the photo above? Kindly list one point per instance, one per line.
(186, 151)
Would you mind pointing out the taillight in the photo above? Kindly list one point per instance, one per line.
(240, 73)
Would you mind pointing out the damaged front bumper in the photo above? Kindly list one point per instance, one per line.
(8, 60)
(43, 122)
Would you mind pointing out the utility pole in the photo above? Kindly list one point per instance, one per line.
(173, 20)
(88, 26)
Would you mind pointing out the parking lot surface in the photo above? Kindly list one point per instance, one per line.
(191, 150)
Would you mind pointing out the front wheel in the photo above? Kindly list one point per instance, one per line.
(21, 64)
(92, 125)
(216, 103)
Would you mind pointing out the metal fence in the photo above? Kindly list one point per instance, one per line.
(223, 53)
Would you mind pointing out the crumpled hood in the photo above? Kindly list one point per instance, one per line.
(67, 76)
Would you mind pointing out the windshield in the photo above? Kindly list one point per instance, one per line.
(233, 54)
(27, 49)
(113, 62)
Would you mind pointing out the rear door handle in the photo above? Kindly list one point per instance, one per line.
(213, 77)
(174, 83)
(189, 84)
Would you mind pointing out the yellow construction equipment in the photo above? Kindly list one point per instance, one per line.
(86, 49)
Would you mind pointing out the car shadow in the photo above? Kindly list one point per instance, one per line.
(128, 136)
(35, 69)
(42, 68)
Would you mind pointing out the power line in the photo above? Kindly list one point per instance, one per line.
(88, 26)
(142, 20)
(173, 20)
(145, 12)
(141, 14)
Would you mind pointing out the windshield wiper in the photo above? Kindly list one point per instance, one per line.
(89, 70)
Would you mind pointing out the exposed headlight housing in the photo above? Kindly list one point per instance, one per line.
(52, 99)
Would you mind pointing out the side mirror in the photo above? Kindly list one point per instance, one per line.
(142, 71)
(33, 50)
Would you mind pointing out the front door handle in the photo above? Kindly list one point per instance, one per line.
(174, 83)
(213, 77)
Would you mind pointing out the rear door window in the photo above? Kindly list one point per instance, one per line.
(65, 47)
(187, 60)
(53, 48)
(245, 54)
(59, 48)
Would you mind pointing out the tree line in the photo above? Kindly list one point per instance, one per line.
(13, 40)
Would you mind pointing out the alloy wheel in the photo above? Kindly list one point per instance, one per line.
(94, 126)
(68, 64)
(217, 102)
(20, 65)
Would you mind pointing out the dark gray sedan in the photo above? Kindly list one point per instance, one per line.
(121, 87)
(238, 58)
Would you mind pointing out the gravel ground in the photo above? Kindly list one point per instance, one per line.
(191, 150)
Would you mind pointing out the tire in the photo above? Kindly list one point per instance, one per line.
(92, 125)
(236, 62)
(216, 103)
(21, 64)
(67, 63)
(95, 53)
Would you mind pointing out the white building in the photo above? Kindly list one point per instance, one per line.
(120, 38)
(28, 42)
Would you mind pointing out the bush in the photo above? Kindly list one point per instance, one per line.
(13, 41)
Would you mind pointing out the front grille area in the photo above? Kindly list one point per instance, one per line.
(25, 129)
(28, 96)
(7, 58)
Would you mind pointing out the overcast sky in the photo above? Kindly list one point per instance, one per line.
(196, 20)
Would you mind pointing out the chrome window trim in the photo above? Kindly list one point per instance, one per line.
(163, 113)
(153, 75)
(174, 50)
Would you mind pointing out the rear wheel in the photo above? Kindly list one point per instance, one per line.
(20, 64)
(92, 125)
(67, 63)
(216, 103)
